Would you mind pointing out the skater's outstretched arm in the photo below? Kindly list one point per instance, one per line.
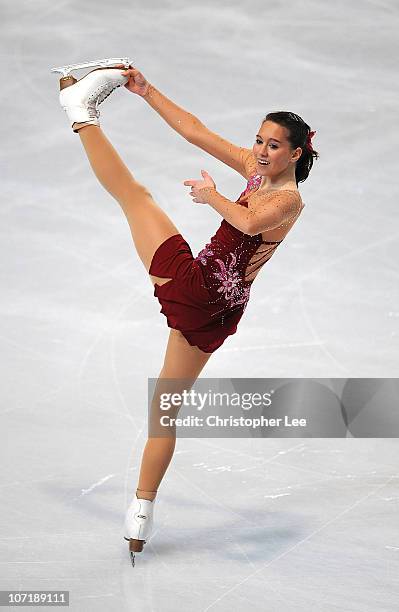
(191, 128)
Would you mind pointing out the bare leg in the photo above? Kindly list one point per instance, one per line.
(182, 361)
(150, 226)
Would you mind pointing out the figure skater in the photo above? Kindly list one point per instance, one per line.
(202, 297)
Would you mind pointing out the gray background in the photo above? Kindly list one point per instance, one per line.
(276, 524)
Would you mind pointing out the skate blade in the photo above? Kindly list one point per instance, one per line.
(104, 63)
(135, 546)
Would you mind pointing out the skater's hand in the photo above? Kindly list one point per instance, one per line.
(196, 187)
(137, 82)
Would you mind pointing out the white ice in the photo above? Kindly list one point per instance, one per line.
(279, 525)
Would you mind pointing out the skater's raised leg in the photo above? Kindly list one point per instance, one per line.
(150, 226)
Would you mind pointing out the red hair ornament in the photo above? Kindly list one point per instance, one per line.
(309, 140)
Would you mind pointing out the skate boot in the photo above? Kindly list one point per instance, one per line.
(80, 98)
(138, 524)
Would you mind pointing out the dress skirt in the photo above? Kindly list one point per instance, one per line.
(187, 301)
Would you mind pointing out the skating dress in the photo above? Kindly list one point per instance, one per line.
(208, 294)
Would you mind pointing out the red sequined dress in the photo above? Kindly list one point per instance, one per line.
(208, 294)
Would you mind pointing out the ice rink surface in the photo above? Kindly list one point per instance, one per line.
(282, 525)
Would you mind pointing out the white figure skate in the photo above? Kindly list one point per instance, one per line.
(80, 98)
(138, 524)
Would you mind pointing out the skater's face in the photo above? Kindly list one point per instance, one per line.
(272, 145)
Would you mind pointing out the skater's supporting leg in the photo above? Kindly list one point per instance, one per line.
(182, 361)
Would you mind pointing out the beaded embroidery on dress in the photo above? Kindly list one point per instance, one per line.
(231, 259)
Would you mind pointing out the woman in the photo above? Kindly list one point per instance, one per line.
(202, 297)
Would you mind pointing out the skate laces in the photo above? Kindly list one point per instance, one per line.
(92, 111)
(100, 94)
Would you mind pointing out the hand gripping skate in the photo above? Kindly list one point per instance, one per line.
(138, 524)
(80, 98)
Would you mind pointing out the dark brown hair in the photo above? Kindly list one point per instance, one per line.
(298, 132)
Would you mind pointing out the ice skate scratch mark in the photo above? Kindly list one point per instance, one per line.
(244, 554)
(263, 461)
(112, 356)
(304, 485)
(316, 531)
(96, 596)
(126, 412)
(274, 496)
(106, 272)
(133, 297)
(191, 485)
(299, 468)
(221, 468)
(251, 563)
(78, 534)
(314, 332)
(33, 353)
(392, 547)
(344, 256)
(260, 347)
(115, 379)
(96, 484)
(323, 267)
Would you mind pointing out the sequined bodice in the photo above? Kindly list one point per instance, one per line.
(231, 260)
